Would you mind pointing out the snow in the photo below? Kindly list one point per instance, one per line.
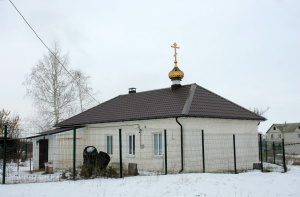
(248, 184)
(90, 149)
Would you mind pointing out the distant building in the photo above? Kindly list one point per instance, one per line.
(289, 131)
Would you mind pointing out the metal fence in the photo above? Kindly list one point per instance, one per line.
(80, 154)
(279, 153)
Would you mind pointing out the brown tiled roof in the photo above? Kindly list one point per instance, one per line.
(188, 100)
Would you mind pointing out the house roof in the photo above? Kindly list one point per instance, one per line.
(50, 132)
(286, 128)
(187, 101)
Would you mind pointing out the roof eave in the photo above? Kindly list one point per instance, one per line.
(154, 118)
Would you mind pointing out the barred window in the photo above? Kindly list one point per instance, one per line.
(158, 144)
(109, 144)
(131, 147)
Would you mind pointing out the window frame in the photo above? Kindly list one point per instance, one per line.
(279, 135)
(157, 146)
(131, 145)
(274, 128)
(272, 136)
(109, 144)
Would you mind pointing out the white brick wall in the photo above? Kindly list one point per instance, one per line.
(218, 144)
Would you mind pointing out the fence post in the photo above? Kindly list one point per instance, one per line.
(166, 156)
(30, 149)
(4, 154)
(74, 153)
(266, 151)
(274, 151)
(283, 154)
(234, 154)
(259, 147)
(120, 147)
(203, 153)
(18, 155)
(25, 150)
(261, 154)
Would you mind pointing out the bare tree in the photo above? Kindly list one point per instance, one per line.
(57, 93)
(83, 91)
(260, 111)
(12, 122)
(51, 88)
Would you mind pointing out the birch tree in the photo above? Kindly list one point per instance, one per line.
(51, 88)
(84, 93)
(57, 91)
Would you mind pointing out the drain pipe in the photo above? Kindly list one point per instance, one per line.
(181, 140)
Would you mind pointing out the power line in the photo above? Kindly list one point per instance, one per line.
(53, 53)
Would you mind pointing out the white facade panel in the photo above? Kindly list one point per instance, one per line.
(218, 144)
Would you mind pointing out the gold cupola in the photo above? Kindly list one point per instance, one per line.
(176, 74)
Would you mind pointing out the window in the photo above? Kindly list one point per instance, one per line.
(279, 135)
(272, 136)
(298, 135)
(109, 144)
(298, 127)
(131, 147)
(157, 144)
(274, 128)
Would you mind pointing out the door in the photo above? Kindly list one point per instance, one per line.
(43, 156)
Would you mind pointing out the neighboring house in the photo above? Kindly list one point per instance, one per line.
(289, 131)
(183, 111)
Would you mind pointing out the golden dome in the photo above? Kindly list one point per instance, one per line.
(176, 73)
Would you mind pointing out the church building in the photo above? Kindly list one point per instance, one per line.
(196, 122)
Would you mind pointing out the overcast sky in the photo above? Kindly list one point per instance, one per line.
(245, 51)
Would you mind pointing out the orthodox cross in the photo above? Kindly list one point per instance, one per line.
(175, 47)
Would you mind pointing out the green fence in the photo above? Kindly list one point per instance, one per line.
(79, 154)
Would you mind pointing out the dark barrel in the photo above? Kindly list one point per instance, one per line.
(103, 160)
(90, 156)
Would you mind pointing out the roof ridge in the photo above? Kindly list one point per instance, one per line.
(286, 123)
(231, 102)
(287, 127)
(188, 102)
(155, 90)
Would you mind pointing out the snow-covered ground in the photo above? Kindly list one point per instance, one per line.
(248, 184)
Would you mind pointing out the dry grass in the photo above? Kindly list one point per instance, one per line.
(296, 162)
(109, 173)
(22, 165)
(268, 169)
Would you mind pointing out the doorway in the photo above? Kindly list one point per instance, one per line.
(43, 150)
